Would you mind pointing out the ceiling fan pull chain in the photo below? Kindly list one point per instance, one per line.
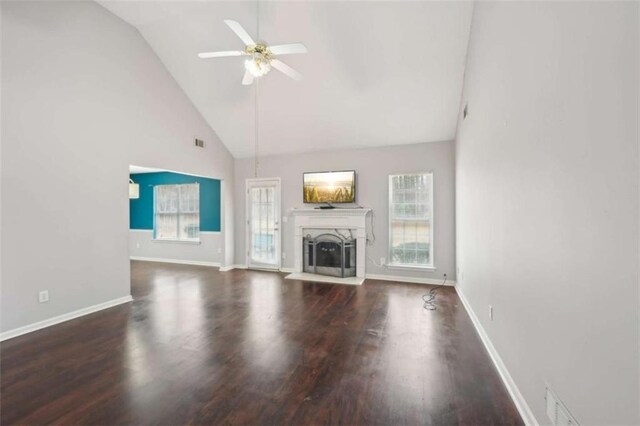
(255, 125)
(255, 98)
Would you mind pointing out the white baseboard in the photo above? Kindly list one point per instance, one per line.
(232, 267)
(241, 266)
(180, 261)
(62, 318)
(414, 280)
(516, 396)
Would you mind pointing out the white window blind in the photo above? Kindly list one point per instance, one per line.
(177, 212)
(411, 220)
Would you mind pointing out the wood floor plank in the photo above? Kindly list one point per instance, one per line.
(199, 346)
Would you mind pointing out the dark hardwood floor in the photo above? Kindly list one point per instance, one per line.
(245, 347)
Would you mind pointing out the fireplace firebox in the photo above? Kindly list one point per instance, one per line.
(330, 254)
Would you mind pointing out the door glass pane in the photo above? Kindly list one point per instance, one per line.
(263, 225)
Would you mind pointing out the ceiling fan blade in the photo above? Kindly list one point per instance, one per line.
(288, 49)
(206, 55)
(286, 69)
(240, 32)
(247, 79)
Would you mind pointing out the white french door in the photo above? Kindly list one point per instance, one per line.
(263, 223)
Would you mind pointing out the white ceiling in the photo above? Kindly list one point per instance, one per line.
(377, 73)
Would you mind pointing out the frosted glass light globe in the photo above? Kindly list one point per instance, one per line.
(257, 67)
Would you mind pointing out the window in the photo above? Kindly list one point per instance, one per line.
(411, 220)
(177, 212)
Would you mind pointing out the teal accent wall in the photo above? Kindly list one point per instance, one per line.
(141, 210)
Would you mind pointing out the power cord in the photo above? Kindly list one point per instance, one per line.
(372, 240)
(429, 298)
(371, 237)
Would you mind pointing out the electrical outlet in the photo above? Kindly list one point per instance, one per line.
(137, 245)
(219, 250)
(43, 296)
(491, 312)
(382, 261)
(285, 219)
(284, 255)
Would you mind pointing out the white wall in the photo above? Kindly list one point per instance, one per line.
(373, 167)
(547, 200)
(1, 135)
(210, 249)
(84, 96)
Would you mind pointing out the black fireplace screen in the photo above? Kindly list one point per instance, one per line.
(330, 254)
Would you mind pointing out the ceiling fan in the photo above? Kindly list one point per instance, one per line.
(261, 57)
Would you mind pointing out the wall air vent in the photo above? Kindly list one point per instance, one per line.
(199, 143)
(557, 411)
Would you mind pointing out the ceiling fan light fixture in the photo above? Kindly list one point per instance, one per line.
(134, 190)
(257, 66)
(261, 57)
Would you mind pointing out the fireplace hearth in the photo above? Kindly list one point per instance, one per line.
(330, 253)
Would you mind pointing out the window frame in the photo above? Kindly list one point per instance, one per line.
(178, 214)
(394, 265)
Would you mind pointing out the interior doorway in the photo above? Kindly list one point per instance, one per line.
(175, 217)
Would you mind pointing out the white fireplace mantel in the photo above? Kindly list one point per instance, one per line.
(338, 218)
(338, 211)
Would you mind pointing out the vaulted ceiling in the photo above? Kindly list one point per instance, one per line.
(377, 73)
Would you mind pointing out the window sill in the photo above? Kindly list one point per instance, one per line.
(157, 240)
(411, 267)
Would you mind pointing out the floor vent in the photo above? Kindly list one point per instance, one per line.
(557, 411)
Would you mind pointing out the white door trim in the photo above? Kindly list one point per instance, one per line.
(278, 215)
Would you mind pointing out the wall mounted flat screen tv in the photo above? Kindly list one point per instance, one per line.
(330, 187)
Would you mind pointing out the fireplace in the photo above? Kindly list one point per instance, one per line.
(347, 238)
(330, 253)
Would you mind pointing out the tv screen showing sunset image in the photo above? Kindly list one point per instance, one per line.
(330, 187)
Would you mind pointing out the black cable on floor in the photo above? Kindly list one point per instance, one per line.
(429, 298)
